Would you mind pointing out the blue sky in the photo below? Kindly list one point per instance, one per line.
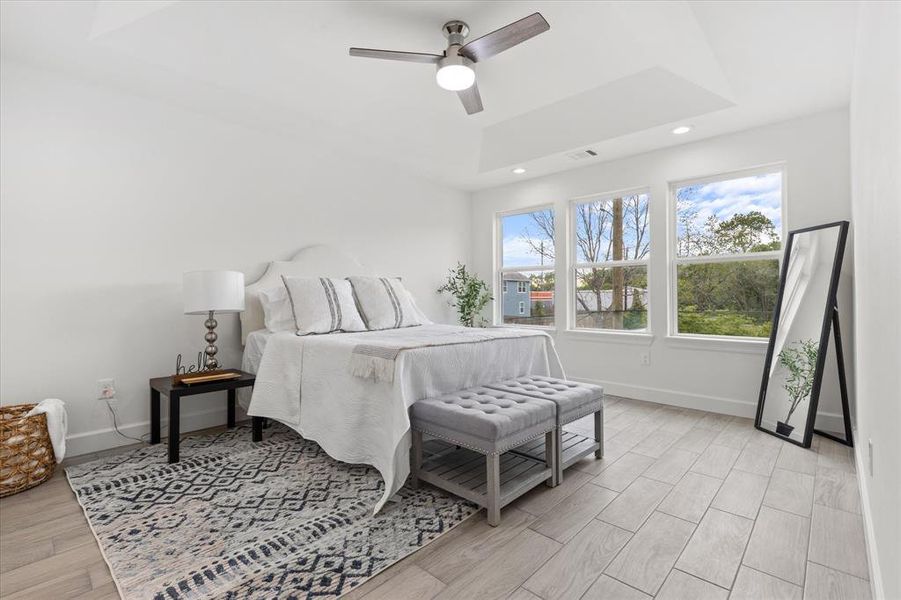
(724, 199)
(516, 250)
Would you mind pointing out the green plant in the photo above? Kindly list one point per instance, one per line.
(800, 360)
(469, 295)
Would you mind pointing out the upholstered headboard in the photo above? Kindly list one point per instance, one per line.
(312, 261)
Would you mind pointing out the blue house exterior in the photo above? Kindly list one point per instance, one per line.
(516, 292)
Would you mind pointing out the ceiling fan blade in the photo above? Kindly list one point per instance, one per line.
(417, 57)
(505, 38)
(471, 99)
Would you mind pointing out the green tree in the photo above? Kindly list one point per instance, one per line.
(745, 232)
(734, 298)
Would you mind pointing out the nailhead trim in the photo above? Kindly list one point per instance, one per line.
(481, 450)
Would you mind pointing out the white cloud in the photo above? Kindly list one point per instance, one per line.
(745, 185)
(518, 252)
(725, 199)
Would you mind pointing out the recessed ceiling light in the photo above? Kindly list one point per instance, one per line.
(519, 171)
(681, 129)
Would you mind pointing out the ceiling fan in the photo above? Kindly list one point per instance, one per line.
(455, 71)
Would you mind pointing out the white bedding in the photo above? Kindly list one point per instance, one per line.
(358, 420)
(253, 350)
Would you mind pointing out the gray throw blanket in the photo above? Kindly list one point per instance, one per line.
(377, 361)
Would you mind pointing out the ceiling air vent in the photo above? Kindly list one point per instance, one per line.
(580, 154)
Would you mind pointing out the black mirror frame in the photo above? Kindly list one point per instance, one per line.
(829, 309)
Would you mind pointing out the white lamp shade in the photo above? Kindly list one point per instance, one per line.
(219, 291)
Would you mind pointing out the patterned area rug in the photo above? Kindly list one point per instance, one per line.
(234, 519)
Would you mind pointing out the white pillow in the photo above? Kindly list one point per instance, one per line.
(277, 312)
(384, 303)
(322, 305)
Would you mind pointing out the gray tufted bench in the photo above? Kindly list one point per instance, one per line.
(574, 400)
(483, 424)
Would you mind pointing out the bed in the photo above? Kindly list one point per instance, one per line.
(306, 382)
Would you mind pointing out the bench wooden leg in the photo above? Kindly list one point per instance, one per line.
(599, 433)
(416, 463)
(493, 490)
(553, 453)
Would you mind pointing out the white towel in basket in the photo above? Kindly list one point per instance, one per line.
(57, 424)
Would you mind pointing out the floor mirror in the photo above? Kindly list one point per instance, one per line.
(806, 313)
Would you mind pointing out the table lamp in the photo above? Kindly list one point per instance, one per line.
(210, 292)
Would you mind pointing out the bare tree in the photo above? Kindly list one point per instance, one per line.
(544, 221)
(606, 230)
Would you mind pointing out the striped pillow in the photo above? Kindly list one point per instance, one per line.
(384, 303)
(322, 305)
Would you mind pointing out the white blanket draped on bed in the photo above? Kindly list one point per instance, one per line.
(359, 420)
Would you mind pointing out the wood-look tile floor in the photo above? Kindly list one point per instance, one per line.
(685, 505)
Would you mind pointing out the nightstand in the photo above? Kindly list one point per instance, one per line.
(164, 386)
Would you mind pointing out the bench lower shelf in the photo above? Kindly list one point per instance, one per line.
(463, 472)
(575, 448)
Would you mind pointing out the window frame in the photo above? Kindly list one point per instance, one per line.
(674, 260)
(574, 265)
(499, 269)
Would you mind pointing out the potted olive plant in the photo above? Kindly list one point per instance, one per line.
(469, 295)
(800, 361)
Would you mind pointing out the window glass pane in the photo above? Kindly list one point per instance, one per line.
(528, 239)
(732, 216)
(529, 299)
(732, 298)
(612, 229)
(612, 298)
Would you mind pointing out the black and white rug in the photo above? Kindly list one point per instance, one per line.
(234, 519)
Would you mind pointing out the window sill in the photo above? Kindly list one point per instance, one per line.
(642, 338)
(719, 343)
(548, 328)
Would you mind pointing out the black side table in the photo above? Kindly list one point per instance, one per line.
(164, 386)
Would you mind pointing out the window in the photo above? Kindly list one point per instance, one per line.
(728, 239)
(526, 256)
(611, 241)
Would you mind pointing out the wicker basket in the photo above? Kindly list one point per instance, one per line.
(26, 454)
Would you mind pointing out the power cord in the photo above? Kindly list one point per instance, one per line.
(143, 439)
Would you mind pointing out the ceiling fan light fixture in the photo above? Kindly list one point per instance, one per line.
(455, 77)
(455, 64)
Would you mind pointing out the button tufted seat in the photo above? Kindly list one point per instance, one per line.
(487, 420)
(574, 400)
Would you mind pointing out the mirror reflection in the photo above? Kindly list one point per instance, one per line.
(794, 368)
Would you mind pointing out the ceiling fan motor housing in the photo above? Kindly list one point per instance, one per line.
(455, 32)
(454, 58)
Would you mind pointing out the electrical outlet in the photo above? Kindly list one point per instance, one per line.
(645, 359)
(870, 456)
(106, 389)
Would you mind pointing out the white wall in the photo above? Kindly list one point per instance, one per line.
(107, 198)
(876, 205)
(724, 377)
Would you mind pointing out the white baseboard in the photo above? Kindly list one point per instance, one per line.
(104, 439)
(725, 406)
(869, 531)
